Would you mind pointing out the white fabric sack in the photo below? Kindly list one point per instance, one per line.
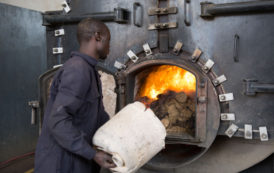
(133, 136)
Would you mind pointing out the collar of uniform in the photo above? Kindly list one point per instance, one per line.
(92, 61)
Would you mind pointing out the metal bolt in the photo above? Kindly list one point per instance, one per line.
(248, 134)
(64, 5)
(157, 10)
(57, 32)
(263, 136)
(205, 68)
(133, 58)
(222, 97)
(216, 82)
(164, 9)
(230, 132)
(224, 116)
(165, 25)
(55, 50)
(157, 25)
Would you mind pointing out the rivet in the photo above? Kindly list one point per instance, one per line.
(264, 136)
(224, 116)
(222, 97)
(248, 133)
(205, 68)
(165, 25)
(216, 82)
(157, 25)
(230, 132)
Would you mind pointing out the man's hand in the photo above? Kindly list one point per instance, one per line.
(104, 160)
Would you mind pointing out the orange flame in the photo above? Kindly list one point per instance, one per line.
(167, 78)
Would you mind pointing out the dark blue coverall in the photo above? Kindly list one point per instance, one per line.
(74, 112)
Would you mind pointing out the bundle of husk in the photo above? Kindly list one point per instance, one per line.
(176, 111)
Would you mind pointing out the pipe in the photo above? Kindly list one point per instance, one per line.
(119, 15)
(209, 9)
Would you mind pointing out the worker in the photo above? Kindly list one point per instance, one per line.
(75, 109)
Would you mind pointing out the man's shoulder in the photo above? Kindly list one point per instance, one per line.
(76, 61)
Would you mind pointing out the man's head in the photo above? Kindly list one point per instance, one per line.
(95, 36)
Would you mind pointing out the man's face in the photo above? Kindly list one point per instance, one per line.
(103, 46)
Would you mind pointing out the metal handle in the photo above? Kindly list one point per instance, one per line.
(236, 47)
(251, 87)
(187, 12)
(138, 14)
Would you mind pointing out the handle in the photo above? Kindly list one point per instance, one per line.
(187, 12)
(138, 14)
(33, 116)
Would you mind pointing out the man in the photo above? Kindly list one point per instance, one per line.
(75, 109)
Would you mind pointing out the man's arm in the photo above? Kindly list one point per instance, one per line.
(75, 82)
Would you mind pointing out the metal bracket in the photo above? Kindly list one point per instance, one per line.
(162, 25)
(162, 11)
(226, 97)
(59, 32)
(57, 50)
(251, 87)
(34, 106)
(196, 55)
(119, 65)
(147, 49)
(177, 48)
(132, 56)
(219, 80)
(66, 6)
(208, 65)
(227, 116)
(231, 130)
(248, 131)
(263, 133)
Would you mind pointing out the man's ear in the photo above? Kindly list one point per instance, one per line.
(97, 36)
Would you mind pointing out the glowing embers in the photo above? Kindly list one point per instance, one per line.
(170, 92)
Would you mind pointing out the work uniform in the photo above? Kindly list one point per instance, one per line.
(73, 114)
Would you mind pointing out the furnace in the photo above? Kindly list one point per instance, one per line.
(170, 92)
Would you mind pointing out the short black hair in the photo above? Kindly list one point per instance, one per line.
(88, 27)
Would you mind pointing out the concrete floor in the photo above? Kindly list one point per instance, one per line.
(26, 166)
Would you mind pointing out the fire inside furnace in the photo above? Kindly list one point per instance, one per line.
(170, 92)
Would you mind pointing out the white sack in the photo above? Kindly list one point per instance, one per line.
(133, 136)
